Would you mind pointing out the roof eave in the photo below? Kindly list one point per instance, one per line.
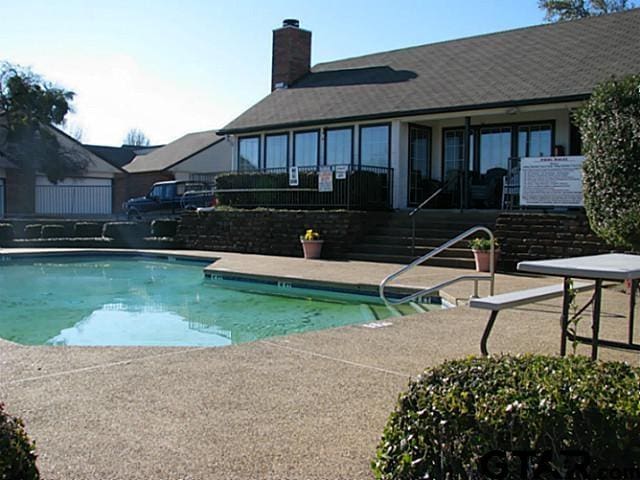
(407, 113)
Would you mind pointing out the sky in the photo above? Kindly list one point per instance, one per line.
(173, 67)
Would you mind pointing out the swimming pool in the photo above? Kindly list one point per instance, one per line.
(111, 300)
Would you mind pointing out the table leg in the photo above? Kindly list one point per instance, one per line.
(595, 326)
(632, 308)
(564, 318)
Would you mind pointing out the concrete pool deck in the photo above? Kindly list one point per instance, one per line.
(307, 406)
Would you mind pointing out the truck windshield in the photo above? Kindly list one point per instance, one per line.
(160, 191)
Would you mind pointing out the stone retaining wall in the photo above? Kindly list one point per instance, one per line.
(273, 232)
(536, 236)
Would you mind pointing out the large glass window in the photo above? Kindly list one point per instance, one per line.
(454, 151)
(305, 149)
(339, 146)
(495, 148)
(276, 151)
(534, 141)
(374, 146)
(249, 153)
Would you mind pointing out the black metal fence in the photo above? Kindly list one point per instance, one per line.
(336, 186)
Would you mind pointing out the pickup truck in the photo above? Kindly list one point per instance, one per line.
(169, 197)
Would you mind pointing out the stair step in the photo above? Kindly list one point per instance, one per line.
(403, 260)
(406, 241)
(420, 232)
(403, 250)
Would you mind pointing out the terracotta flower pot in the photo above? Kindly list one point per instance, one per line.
(311, 248)
(483, 257)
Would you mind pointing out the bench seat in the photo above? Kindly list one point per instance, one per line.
(496, 303)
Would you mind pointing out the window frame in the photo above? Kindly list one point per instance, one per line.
(374, 125)
(325, 131)
(249, 137)
(317, 131)
(266, 141)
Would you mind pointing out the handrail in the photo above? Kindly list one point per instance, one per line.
(421, 206)
(433, 253)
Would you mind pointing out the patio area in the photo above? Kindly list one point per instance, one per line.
(308, 406)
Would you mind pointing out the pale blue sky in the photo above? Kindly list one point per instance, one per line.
(173, 67)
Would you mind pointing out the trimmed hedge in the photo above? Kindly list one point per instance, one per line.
(17, 452)
(463, 413)
(7, 234)
(610, 129)
(125, 234)
(52, 231)
(73, 242)
(33, 231)
(164, 228)
(87, 229)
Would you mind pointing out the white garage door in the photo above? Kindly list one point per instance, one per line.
(74, 196)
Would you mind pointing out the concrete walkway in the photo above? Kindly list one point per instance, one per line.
(308, 406)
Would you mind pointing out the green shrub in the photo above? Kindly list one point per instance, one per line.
(125, 234)
(458, 412)
(164, 228)
(7, 234)
(17, 452)
(32, 231)
(610, 128)
(52, 231)
(87, 229)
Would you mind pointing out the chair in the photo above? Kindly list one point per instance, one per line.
(511, 186)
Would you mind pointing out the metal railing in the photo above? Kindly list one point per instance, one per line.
(413, 212)
(73, 199)
(430, 290)
(351, 187)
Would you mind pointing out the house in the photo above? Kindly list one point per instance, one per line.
(449, 114)
(88, 193)
(195, 156)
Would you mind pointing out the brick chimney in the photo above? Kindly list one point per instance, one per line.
(291, 54)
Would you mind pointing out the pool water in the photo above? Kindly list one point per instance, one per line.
(152, 302)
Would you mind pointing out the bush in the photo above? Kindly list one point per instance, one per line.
(7, 234)
(17, 452)
(610, 128)
(164, 228)
(32, 231)
(87, 229)
(125, 234)
(458, 412)
(52, 231)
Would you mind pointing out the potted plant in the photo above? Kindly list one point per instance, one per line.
(481, 248)
(311, 244)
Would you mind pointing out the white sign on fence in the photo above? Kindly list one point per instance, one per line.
(551, 181)
(325, 180)
(341, 172)
(294, 179)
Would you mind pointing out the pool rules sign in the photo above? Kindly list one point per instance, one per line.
(551, 181)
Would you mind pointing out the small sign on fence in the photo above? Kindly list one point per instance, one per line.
(341, 172)
(294, 179)
(325, 180)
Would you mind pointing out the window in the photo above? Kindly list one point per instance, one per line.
(338, 146)
(276, 151)
(454, 151)
(249, 153)
(534, 141)
(305, 149)
(495, 148)
(374, 146)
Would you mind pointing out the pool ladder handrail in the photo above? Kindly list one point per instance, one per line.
(429, 290)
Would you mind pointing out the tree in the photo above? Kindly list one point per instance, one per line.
(610, 128)
(29, 107)
(136, 137)
(74, 130)
(558, 10)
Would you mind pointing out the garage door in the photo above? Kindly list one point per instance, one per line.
(74, 196)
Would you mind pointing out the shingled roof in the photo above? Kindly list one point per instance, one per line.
(173, 153)
(546, 63)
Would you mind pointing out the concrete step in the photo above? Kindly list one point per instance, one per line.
(405, 250)
(403, 260)
(422, 232)
(424, 242)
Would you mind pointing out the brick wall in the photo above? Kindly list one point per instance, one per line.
(126, 186)
(536, 236)
(273, 232)
(291, 56)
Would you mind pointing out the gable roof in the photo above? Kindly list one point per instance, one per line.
(541, 64)
(173, 153)
(120, 156)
